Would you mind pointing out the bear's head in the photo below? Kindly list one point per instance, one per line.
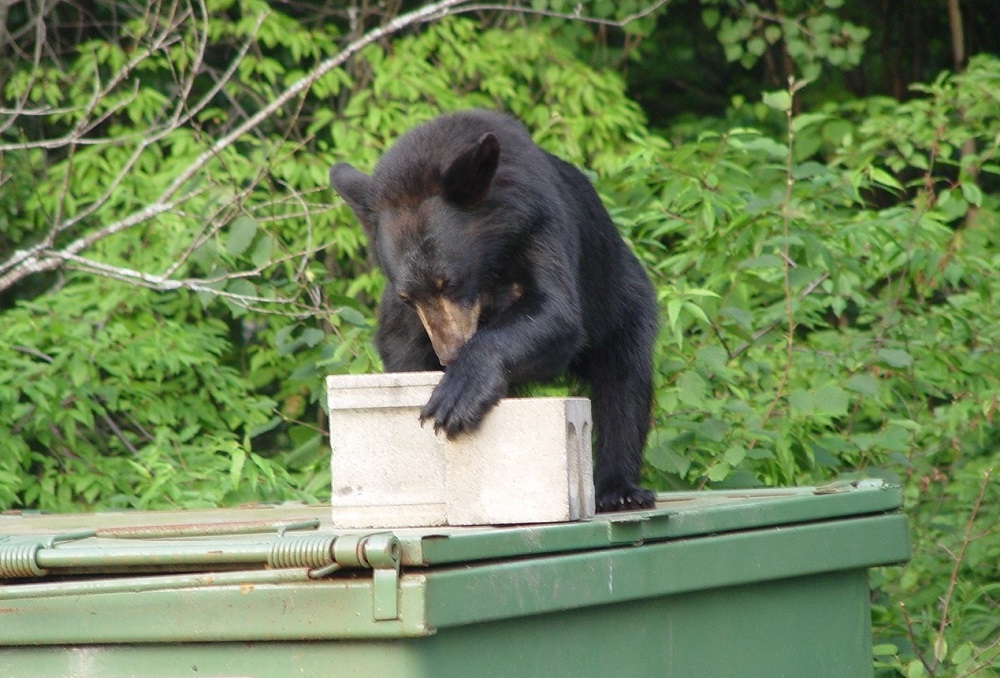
(425, 210)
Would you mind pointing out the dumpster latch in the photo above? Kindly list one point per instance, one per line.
(379, 552)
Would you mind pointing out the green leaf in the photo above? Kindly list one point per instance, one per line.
(831, 400)
(802, 402)
(735, 455)
(352, 316)
(242, 288)
(696, 311)
(764, 261)
(713, 357)
(740, 317)
(241, 234)
(962, 653)
(674, 307)
(79, 373)
(713, 429)
(236, 463)
(719, 472)
(972, 193)
(880, 176)
(311, 336)
(692, 388)
(756, 46)
(896, 358)
(261, 255)
(663, 457)
(780, 100)
(864, 384)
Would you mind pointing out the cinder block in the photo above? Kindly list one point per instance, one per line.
(529, 461)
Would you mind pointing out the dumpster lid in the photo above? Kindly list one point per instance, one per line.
(37, 546)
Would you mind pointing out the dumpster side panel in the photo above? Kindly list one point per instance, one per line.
(458, 596)
(817, 626)
(813, 626)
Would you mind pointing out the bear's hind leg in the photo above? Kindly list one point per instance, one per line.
(621, 396)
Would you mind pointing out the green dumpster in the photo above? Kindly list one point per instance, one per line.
(731, 584)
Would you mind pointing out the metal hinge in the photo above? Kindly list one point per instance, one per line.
(381, 553)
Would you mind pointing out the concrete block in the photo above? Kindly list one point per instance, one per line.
(529, 461)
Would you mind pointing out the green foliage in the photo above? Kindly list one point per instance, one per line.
(810, 33)
(109, 399)
(828, 309)
(949, 625)
(826, 276)
(261, 287)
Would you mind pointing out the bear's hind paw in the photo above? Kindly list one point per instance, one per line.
(632, 499)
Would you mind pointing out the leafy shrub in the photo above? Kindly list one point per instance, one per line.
(828, 310)
(827, 292)
(261, 285)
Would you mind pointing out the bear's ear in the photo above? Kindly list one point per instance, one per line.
(468, 177)
(354, 187)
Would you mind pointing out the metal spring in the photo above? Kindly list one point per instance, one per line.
(19, 560)
(307, 551)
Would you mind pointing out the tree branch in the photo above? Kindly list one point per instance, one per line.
(42, 257)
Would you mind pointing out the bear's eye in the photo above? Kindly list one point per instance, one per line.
(406, 298)
(440, 284)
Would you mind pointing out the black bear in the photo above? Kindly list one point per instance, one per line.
(503, 267)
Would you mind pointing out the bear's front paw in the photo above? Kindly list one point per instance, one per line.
(629, 499)
(462, 398)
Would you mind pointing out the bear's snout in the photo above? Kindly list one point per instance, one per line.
(449, 326)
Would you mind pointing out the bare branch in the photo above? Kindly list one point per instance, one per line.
(40, 258)
(957, 560)
(212, 286)
(43, 256)
(86, 122)
(805, 292)
(576, 15)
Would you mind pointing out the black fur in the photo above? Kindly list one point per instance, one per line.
(468, 208)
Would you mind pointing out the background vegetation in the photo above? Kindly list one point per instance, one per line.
(814, 187)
